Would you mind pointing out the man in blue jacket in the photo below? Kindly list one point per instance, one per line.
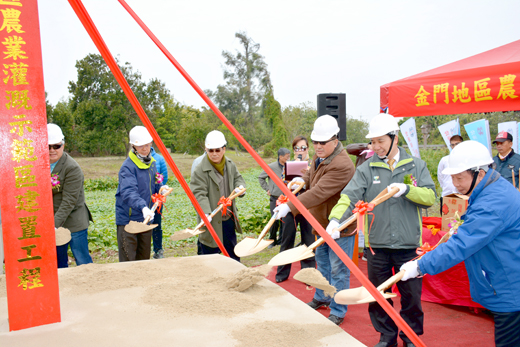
(162, 169)
(507, 161)
(137, 183)
(488, 241)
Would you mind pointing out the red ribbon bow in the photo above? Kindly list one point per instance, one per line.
(424, 249)
(160, 200)
(226, 202)
(282, 200)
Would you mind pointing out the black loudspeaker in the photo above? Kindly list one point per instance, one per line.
(336, 106)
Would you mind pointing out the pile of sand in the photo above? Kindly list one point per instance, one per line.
(245, 278)
(314, 278)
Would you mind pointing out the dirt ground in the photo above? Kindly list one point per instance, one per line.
(100, 167)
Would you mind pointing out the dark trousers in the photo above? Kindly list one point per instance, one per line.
(288, 236)
(133, 246)
(276, 225)
(230, 241)
(157, 232)
(380, 267)
(507, 329)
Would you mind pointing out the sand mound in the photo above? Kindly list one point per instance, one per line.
(245, 278)
(314, 278)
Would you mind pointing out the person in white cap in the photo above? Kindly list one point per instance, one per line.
(393, 232)
(68, 198)
(138, 181)
(217, 176)
(488, 241)
(331, 170)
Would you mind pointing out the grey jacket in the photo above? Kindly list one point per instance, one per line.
(70, 210)
(271, 187)
(204, 185)
(397, 222)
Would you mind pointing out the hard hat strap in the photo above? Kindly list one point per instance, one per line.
(475, 175)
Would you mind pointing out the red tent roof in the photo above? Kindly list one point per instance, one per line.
(491, 83)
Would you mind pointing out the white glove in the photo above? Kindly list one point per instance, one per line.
(209, 218)
(330, 229)
(294, 181)
(401, 186)
(238, 189)
(411, 270)
(147, 212)
(163, 187)
(282, 210)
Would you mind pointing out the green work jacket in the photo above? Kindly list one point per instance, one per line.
(397, 222)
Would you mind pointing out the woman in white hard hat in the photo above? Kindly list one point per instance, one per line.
(488, 241)
(393, 232)
(217, 176)
(330, 171)
(138, 181)
(68, 198)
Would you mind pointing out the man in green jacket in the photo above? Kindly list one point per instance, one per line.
(68, 198)
(217, 176)
(394, 230)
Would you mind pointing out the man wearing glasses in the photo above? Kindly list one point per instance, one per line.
(68, 198)
(274, 192)
(507, 161)
(217, 176)
(331, 170)
(445, 180)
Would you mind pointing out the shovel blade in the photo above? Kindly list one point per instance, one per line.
(356, 296)
(136, 227)
(249, 246)
(370, 298)
(289, 256)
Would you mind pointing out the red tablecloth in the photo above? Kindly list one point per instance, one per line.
(451, 286)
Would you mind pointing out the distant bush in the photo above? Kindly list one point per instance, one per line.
(103, 184)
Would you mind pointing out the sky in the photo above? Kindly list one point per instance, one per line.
(311, 47)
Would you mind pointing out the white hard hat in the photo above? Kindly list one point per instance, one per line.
(54, 134)
(215, 139)
(325, 127)
(382, 124)
(467, 155)
(139, 136)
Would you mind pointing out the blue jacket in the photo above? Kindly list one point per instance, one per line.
(135, 189)
(504, 167)
(162, 168)
(489, 244)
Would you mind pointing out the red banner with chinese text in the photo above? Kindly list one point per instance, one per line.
(486, 82)
(26, 199)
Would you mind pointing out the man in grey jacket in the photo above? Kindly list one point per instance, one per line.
(393, 230)
(274, 192)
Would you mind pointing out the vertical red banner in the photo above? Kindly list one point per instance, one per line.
(26, 198)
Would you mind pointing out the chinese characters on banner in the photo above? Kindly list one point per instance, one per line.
(26, 199)
(449, 129)
(409, 132)
(510, 127)
(479, 131)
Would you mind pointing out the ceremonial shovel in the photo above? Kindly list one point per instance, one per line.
(137, 227)
(362, 296)
(250, 245)
(187, 233)
(303, 252)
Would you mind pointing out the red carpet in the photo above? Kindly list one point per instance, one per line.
(444, 325)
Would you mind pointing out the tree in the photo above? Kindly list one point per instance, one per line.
(357, 129)
(273, 114)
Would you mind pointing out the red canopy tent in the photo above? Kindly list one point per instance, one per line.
(482, 83)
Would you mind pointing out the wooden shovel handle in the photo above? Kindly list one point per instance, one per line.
(389, 282)
(300, 184)
(154, 207)
(219, 207)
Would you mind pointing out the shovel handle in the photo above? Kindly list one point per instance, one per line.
(300, 186)
(154, 207)
(391, 281)
(219, 207)
(266, 229)
(384, 195)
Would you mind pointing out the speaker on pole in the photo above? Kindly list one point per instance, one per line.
(335, 105)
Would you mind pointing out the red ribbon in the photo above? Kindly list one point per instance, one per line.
(282, 199)
(160, 200)
(226, 202)
(424, 249)
(362, 208)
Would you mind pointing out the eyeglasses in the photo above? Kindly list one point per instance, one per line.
(323, 143)
(55, 147)
(300, 149)
(214, 150)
